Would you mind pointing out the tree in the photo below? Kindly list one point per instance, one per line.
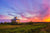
(5, 22)
(30, 22)
(1, 23)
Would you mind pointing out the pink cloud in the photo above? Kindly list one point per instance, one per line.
(4, 17)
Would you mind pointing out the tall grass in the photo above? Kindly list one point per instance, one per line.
(23, 29)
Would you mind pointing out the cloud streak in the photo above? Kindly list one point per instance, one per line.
(29, 10)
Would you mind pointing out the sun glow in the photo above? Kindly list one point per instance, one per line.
(47, 19)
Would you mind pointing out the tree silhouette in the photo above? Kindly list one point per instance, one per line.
(5, 22)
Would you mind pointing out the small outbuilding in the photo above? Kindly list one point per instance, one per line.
(15, 20)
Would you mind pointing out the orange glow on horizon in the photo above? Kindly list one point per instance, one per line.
(46, 19)
(37, 19)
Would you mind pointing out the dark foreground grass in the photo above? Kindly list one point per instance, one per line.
(35, 28)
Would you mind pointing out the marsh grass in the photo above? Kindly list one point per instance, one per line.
(33, 28)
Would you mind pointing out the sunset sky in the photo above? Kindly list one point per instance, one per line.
(25, 10)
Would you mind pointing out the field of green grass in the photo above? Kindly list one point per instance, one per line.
(34, 28)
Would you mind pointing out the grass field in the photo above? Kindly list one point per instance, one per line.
(9, 26)
(35, 28)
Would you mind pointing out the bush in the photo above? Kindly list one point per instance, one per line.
(13, 23)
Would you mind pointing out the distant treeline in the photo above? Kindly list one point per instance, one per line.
(15, 23)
